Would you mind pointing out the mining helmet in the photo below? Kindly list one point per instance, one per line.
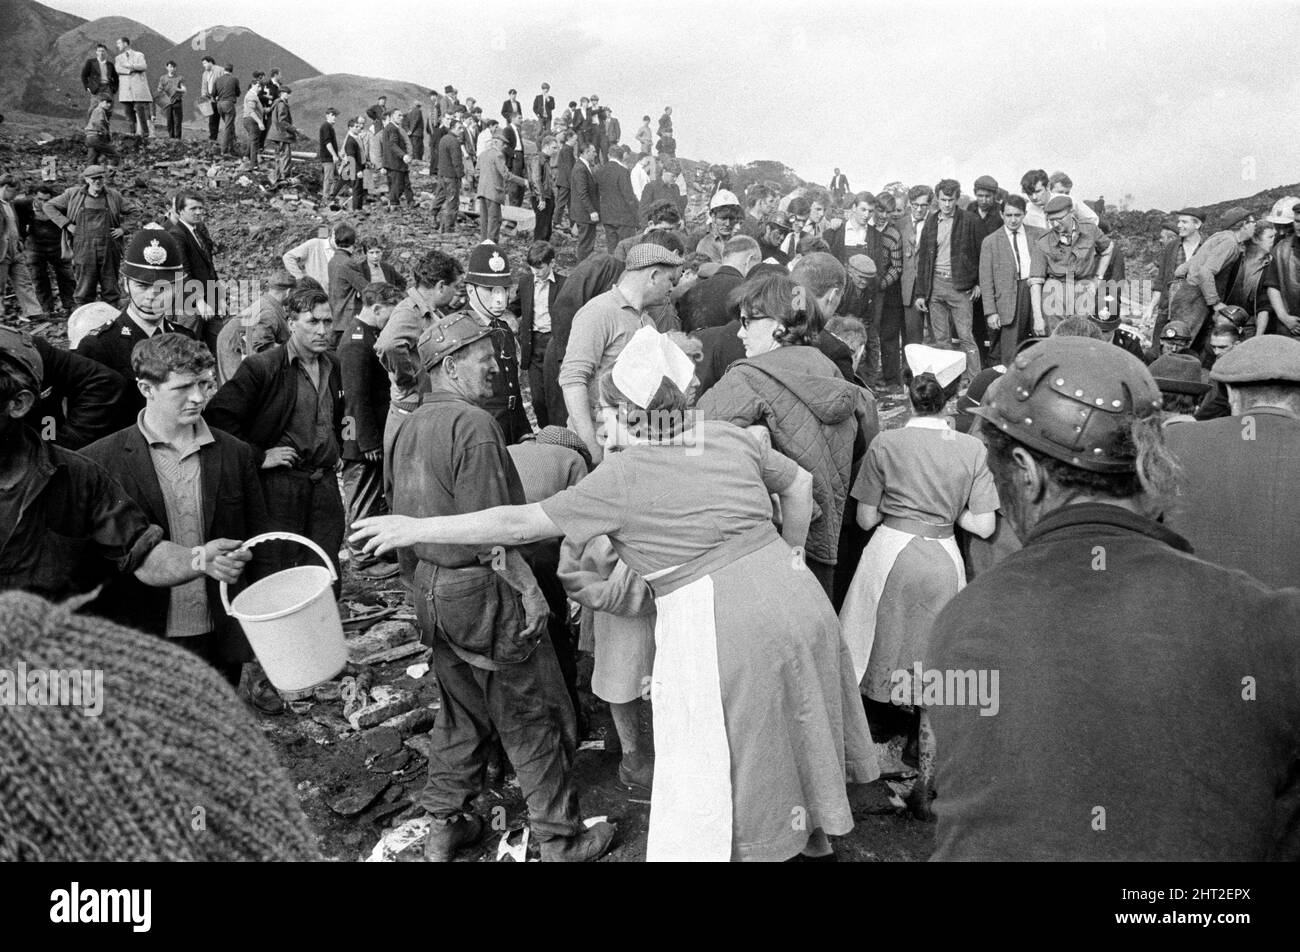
(1239, 316)
(1177, 331)
(489, 266)
(17, 348)
(1073, 398)
(152, 254)
(449, 334)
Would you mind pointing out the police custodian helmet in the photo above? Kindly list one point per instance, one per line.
(151, 255)
(1073, 398)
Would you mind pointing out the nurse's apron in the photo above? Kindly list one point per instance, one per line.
(691, 815)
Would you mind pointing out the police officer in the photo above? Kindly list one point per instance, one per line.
(481, 609)
(1112, 705)
(1122, 337)
(152, 271)
(488, 280)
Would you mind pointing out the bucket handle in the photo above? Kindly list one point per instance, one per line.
(284, 537)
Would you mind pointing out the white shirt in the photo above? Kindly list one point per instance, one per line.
(1020, 241)
(542, 305)
(1034, 215)
(1083, 212)
(853, 235)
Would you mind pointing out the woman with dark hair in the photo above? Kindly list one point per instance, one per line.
(794, 390)
(757, 722)
(915, 484)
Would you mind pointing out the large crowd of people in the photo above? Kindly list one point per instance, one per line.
(1065, 585)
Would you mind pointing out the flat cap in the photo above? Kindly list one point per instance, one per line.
(1059, 203)
(1179, 373)
(1271, 357)
(988, 182)
(1197, 213)
(646, 255)
(449, 334)
(1176, 330)
(863, 266)
(93, 171)
(17, 347)
(1234, 216)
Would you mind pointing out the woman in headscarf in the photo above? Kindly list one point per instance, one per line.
(915, 484)
(757, 721)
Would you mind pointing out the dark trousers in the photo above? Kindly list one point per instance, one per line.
(363, 491)
(214, 123)
(1011, 336)
(542, 230)
(824, 573)
(399, 187)
(853, 541)
(226, 142)
(525, 704)
(980, 328)
(358, 192)
(889, 326)
(137, 117)
(309, 506)
(209, 647)
(283, 162)
(586, 239)
(489, 219)
(545, 563)
(417, 147)
(96, 270)
(537, 378)
(913, 326)
(512, 420)
(175, 112)
(446, 202)
(97, 146)
(616, 233)
(40, 263)
(556, 411)
(561, 205)
(252, 140)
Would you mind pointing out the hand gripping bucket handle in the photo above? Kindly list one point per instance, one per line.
(281, 537)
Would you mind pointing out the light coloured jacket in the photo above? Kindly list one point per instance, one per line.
(133, 80)
(493, 176)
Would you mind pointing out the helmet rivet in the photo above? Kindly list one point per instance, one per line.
(1028, 421)
(1078, 393)
(1100, 401)
(1117, 403)
(1060, 381)
(1097, 451)
(1078, 429)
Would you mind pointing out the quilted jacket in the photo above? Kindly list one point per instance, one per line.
(812, 414)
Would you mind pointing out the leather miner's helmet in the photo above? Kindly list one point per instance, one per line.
(449, 334)
(1073, 398)
(152, 254)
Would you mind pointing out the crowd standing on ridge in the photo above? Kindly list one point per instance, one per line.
(1067, 580)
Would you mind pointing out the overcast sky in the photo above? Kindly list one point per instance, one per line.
(1173, 103)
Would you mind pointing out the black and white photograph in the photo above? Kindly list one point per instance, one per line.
(607, 432)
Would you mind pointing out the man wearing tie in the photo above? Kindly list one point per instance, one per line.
(544, 107)
(1005, 266)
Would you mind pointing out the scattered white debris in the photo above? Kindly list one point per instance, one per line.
(408, 837)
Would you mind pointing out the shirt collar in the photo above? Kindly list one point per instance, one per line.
(200, 437)
(927, 423)
(295, 352)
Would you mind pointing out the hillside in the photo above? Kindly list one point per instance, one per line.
(237, 45)
(29, 32)
(63, 91)
(350, 94)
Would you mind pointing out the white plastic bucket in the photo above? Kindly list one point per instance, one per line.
(292, 621)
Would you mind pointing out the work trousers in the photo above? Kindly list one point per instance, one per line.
(283, 162)
(526, 705)
(616, 233)
(556, 411)
(951, 312)
(542, 230)
(226, 144)
(586, 239)
(489, 219)
(137, 117)
(40, 263)
(561, 206)
(306, 504)
(214, 123)
(15, 272)
(916, 327)
(545, 563)
(252, 140)
(363, 491)
(175, 113)
(417, 147)
(95, 266)
(537, 378)
(981, 331)
(399, 187)
(329, 181)
(889, 331)
(358, 192)
(97, 146)
(446, 202)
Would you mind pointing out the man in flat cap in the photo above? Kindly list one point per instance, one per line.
(1065, 274)
(1129, 636)
(1176, 252)
(1234, 508)
(1209, 274)
(481, 611)
(93, 217)
(603, 326)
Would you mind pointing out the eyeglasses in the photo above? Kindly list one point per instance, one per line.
(747, 319)
(919, 204)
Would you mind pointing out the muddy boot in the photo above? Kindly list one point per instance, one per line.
(587, 846)
(636, 772)
(446, 838)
